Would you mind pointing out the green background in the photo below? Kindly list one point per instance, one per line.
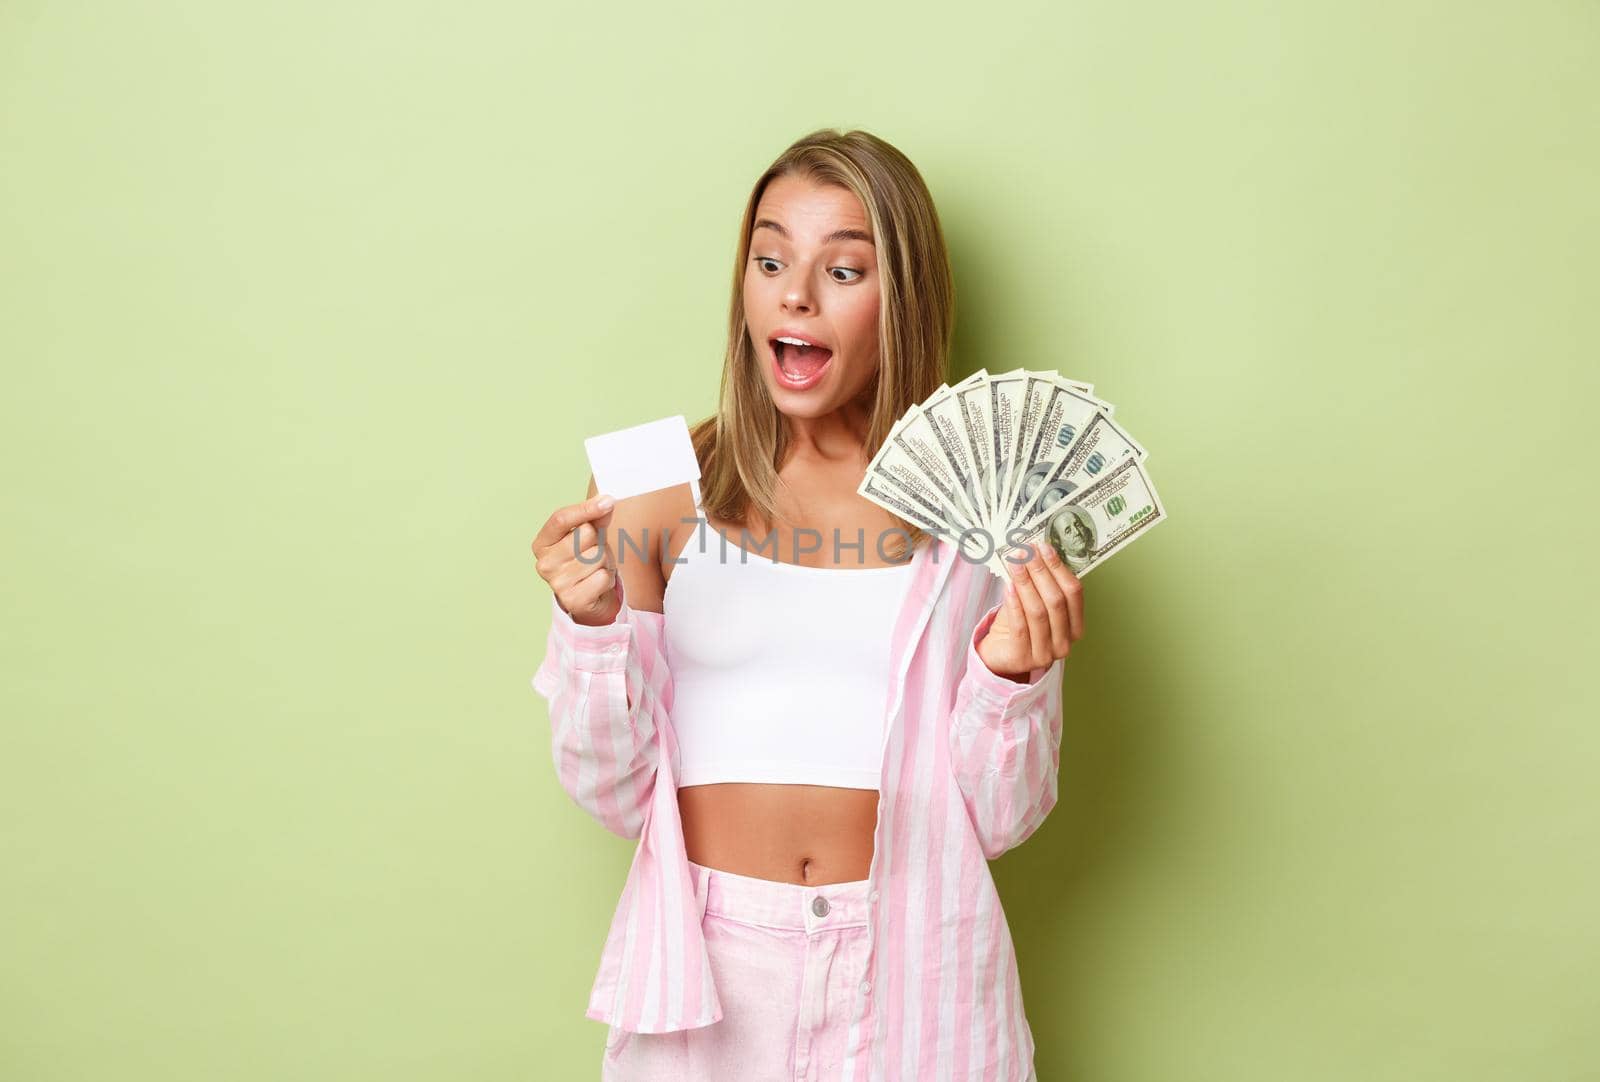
(306, 308)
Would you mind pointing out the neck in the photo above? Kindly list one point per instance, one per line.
(839, 436)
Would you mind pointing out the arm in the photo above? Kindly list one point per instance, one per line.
(604, 685)
(1005, 744)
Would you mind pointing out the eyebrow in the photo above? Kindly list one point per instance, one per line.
(837, 234)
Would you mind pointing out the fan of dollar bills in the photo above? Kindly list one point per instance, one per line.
(1022, 458)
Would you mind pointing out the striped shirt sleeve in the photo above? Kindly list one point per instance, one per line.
(1005, 746)
(604, 686)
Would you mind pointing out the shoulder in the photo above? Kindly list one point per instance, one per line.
(634, 537)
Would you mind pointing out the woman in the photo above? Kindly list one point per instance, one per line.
(817, 758)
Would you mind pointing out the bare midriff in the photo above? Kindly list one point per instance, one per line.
(811, 834)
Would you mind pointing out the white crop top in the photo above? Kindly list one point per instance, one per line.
(780, 672)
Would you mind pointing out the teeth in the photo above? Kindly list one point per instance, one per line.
(792, 341)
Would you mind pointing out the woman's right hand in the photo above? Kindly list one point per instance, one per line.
(584, 587)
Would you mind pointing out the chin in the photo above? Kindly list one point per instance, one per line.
(803, 404)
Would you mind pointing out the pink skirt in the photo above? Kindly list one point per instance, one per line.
(789, 962)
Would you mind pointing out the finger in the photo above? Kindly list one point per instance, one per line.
(590, 595)
(1055, 601)
(1016, 621)
(1038, 616)
(584, 538)
(1014, 556)
(572, 574)
(597, 532)
(577, 548)
(565, 519)
(1070, 586)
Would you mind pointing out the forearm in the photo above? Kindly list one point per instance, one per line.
(605, 685)
(1005, 736)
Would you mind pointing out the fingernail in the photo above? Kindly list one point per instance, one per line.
(604, 502)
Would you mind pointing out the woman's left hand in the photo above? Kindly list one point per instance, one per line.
(1040, 620)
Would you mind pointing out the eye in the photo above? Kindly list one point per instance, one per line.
(760, 259)
(848, 270)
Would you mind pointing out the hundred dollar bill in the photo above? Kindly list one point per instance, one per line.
(915, 450)
(974, 545)
(972, 400)
(943, 413)
(1036, 387)
(1087, 391)
(907, 483)
(1077, 441)
(906, 477)
(1005, 407)
(1052, 413)
(1089, 526)
(1019, 401)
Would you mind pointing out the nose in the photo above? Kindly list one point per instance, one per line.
(796, 296)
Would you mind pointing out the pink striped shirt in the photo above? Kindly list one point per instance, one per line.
(969, 771)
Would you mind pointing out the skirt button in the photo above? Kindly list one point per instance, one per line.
(819, 906)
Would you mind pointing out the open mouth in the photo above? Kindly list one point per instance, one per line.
(799, 364)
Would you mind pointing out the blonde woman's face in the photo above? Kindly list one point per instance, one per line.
(812, 275)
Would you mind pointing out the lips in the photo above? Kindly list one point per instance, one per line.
(799, 359)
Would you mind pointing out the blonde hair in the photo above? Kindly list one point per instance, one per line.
(741, 446)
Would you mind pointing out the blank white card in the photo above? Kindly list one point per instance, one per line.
(632, 461)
